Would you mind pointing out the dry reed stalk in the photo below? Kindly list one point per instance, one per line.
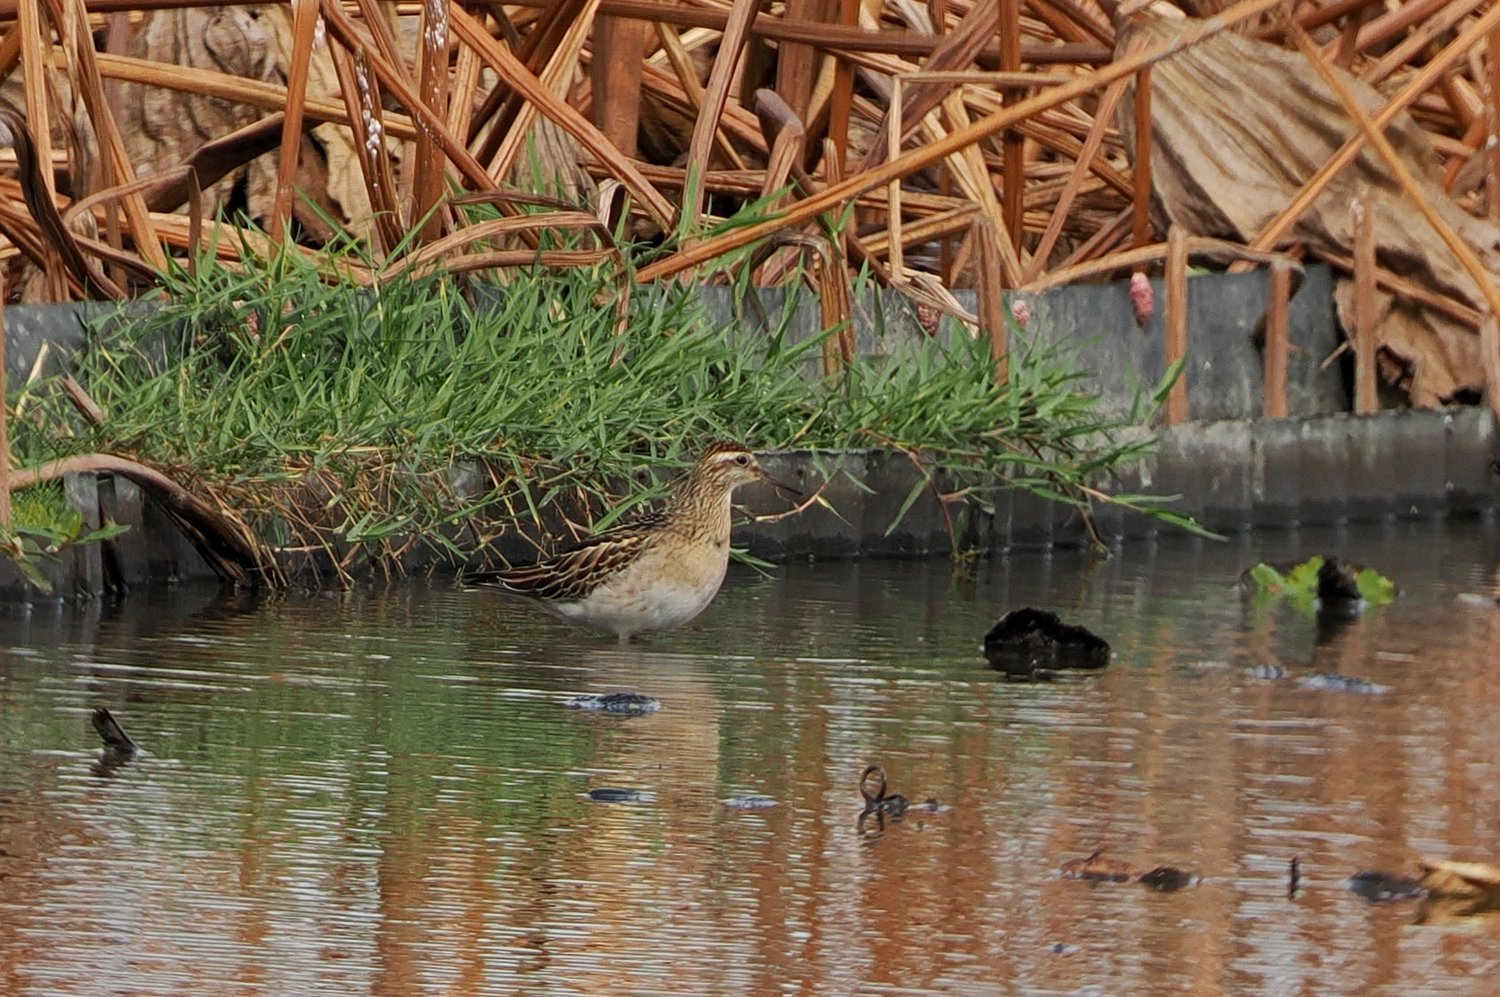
(736, 32)
(954, 51)
(797, 62)
(393, 79)
(1427, 32)
(1492, 121)
(967, 167)
(841, 100)
(429, 164)
(1140, 224)
(235, 89)
(1081, 166)
(1013, 144)
(227, 544)
(57, 250)
(515, 73)
(1176, 322)
(1489, 351)
(362, 96)
(1277, 342)
(916, 159)
(1365, 317)
(1406, 288)
(1388, 26)
(7, 518)
(444, 251)
(991, 280)
(36, 44)
(736, 124)
(692, 91)
(304, 25)
(552, 79)
(1219, 250)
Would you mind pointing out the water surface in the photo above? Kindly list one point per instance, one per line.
(383, 791)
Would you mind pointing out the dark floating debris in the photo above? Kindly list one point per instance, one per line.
(880, 804)
(1448, 891)
(633, 704)
(111, 733)
(1098, 869)
(119, 747)
(1338, 589)
(1293, 878)
(1029, 643)
(872, 786)
(615, 794)
(1168, 879)
(1379, 887)
(750, 801)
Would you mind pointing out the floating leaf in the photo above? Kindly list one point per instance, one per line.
(1303, 584)
(1377, 589)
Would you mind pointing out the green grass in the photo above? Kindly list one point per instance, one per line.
(331, 415)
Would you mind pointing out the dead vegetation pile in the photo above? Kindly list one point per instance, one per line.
(995, 144)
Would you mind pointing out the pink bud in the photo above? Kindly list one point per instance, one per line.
(928, 317)
(1142, 298)
(1020, 310)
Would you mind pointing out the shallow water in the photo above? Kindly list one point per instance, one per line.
(383, 792)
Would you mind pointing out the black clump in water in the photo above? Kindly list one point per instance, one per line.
(1167, 878)
(1028, 642)
(1379, 887)
(1338, 588)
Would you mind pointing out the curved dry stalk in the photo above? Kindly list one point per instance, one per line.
(230, 547)
(1219, 249)
(36, 190)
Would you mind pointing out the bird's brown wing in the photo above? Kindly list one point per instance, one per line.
(577, 570)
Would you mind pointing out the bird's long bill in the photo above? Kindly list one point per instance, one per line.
(780, 485)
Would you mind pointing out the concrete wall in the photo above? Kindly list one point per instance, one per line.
(1095, 324)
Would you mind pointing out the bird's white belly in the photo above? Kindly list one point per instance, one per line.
(657, 594)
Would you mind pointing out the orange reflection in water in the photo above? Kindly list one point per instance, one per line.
(402, 809)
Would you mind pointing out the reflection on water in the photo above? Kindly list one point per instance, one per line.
(386, 792)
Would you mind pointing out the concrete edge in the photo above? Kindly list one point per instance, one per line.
(1231, 476)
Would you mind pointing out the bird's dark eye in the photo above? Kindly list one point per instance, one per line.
(743, 460)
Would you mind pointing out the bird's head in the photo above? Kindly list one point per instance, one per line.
(729, 465)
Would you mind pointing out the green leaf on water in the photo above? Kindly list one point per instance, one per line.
(1298, 583)
(1268, 579)
(1377, 589)
(1302, 580)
